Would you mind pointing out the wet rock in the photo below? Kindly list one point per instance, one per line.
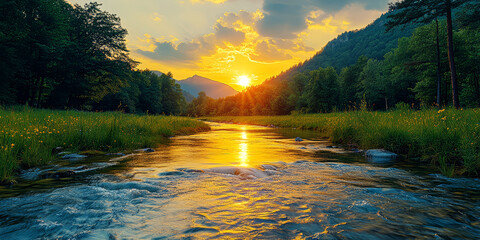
(268, 167)
(188, 170)
(59, 174)
(301, 161)
(115, 154)
(145, 150)
(380, 156)
(298, 139)
(242, 172)
(171, 173)
(74, 156)
(303, 148)
(8, 182)
(31, 174)
(57, 150)
(356, 150)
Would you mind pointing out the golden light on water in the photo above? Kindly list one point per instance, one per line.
(243, 155)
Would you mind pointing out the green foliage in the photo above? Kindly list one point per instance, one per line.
(321, 93)
(55, 55)
(28, 136)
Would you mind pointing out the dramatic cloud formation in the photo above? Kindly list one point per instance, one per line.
(285, 18)
(223, 39)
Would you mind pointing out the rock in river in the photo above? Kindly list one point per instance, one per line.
(74, 156)
(380, 156)
(145, 150)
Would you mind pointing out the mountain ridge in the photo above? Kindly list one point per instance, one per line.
(212, 88)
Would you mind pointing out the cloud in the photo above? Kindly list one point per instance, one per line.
(156, 17)
(240, 19)
(190, 51)
(283, 30)
(283, 18)
(286, 18)
(211, 1)
(267, 53)
(186, 52)
(226, 34)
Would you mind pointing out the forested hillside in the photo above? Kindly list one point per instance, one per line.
(373, 41)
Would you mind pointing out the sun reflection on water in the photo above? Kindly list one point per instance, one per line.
(243, 150)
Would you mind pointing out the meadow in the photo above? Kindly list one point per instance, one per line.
(29, 137)
(448, 139)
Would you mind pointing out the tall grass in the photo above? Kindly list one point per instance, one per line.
(447, 138)
(28, 136)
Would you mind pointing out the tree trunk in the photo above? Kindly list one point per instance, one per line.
(451, 57)
(477, 87)
(439, 79)
(40, 92)
(386, 103)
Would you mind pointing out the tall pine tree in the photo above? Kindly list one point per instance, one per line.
(407, 11)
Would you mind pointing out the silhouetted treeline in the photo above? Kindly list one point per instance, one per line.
(55, 55)
(405, 76)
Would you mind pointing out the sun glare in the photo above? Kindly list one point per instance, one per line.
(243, 80)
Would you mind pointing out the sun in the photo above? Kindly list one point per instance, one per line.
(244, 81)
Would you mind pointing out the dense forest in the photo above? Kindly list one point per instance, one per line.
(351, 74)
(55, 55)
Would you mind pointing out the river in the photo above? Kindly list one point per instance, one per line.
(242, 182)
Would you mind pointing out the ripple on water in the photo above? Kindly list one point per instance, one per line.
(300, 200)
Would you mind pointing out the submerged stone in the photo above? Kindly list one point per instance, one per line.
(74, 156)
(145, 150)
(57, 150)
(115, 154)
(380, 156)
(59, 174)
(298, 139)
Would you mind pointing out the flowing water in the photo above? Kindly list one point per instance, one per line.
(241, 182)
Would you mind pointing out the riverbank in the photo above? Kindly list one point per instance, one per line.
(447, 139)
(30, 137)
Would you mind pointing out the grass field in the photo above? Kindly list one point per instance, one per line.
(28, 136)
(449, 139)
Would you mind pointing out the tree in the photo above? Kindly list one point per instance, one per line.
(322, 90)
(349, 81)
(407, 11)
(96, 60)
(373, 86)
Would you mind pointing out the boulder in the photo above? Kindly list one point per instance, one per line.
(59, 174)
(298, 139)
(145, 150)
(57, 150)
(380, 156)
(74, 156)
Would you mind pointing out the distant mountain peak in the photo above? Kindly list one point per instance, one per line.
(212, 88)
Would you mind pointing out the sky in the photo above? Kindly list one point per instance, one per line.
(229, 40)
